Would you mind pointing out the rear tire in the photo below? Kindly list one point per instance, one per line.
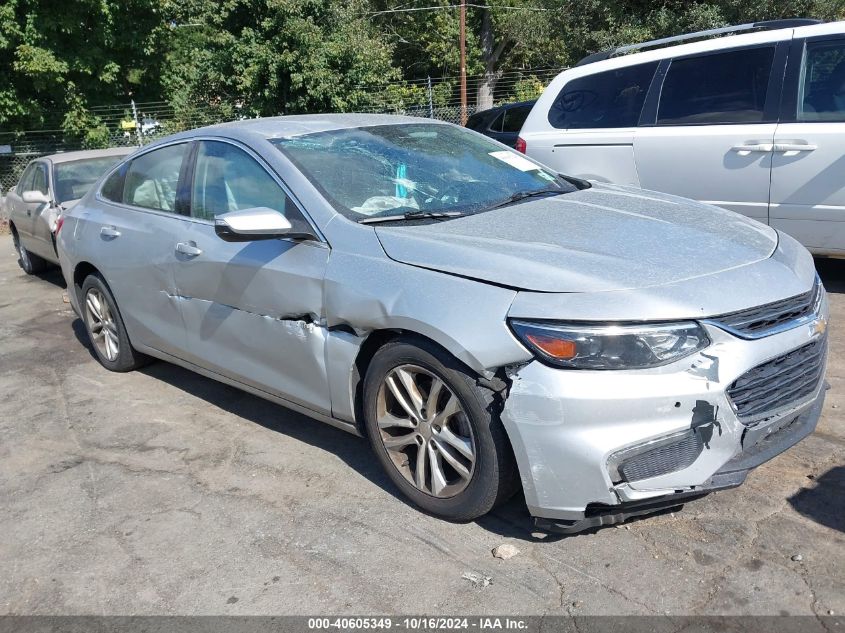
(447, 452)
(105, 327)
(29, 262)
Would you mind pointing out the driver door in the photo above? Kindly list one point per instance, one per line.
(253, 310)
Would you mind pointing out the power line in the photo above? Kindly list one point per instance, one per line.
(452, 6)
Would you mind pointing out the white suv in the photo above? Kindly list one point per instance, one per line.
(752, 122)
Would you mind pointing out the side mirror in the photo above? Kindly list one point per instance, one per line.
(35, 197)
(259, 223)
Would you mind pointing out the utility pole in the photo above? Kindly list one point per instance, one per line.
(463, 62)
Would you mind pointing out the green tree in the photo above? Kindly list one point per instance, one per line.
(56, 61)
(267, 57)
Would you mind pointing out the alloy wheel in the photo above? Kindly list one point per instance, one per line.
(425, 430)
(102, 325)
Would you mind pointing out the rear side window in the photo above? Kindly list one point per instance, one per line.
(822, 83)
(514, 118)
(112, 188)
(152, 179)
(496, 125)
(613, 98)
(728, 87)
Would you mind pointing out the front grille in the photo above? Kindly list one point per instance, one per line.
(664, 459)
(781, 382)
(762, 320)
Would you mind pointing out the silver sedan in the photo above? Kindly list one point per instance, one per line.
(49, 186)
(488, 324)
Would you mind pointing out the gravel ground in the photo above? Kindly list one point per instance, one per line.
(162, 492)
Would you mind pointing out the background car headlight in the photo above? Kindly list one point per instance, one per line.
(611, 346)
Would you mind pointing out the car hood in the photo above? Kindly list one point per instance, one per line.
(598, 239)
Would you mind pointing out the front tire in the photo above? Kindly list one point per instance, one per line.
(105, 327)
(29, 262)
(437, 432)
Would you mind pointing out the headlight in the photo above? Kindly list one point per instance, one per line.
(611, 346)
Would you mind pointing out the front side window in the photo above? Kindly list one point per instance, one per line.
(25, 183)
(72, 180)
(613, 98)
(822, 84)
(226, 178)
(728, 87)
(152, 178)
(394, 170)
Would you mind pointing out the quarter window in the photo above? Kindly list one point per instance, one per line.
(728, 87)
(613, 98)
(39, 178)
(822, 96)
(228, 179)
(152, 178)
(514, 118)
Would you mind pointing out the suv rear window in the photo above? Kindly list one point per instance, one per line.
(727, 87)
(613, 98)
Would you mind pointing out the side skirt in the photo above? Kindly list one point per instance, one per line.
(349, 427)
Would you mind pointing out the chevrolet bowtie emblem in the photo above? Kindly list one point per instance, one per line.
(819, 326)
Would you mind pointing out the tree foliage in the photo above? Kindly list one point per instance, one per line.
(214, 59)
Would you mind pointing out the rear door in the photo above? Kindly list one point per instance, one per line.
(808, 173)
(253, 310)
(711, 135)
(131, 235)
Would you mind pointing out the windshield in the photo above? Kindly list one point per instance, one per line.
(75, 178)
(394, 170)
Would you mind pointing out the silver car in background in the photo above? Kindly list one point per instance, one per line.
(48, 186)
(488, 324)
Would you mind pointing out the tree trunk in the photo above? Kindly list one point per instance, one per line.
(490, 54)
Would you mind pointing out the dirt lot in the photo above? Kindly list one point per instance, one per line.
(161, 492)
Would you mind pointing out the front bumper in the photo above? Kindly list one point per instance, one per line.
(577, 434)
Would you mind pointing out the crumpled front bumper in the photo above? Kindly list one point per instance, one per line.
(571, 430)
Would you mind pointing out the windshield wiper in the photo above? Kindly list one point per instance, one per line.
(412, 215)
(522, 195)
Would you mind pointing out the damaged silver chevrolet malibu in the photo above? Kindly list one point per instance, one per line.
(485, 322)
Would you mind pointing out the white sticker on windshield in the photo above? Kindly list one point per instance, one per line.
(514, 160)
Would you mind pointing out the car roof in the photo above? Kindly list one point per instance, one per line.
(299, 124)
(67, 157)
(706, 45)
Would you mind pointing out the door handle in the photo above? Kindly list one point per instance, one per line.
(109, 232)
(746, 149)
(188, 248)
(794, 147)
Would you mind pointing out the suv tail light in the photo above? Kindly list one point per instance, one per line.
(521, 146)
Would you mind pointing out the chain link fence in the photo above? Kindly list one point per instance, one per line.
(136, 124)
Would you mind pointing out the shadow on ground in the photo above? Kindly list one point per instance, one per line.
(832, 272)
(823, 503)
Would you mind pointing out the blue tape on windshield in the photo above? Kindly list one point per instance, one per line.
(401, 174)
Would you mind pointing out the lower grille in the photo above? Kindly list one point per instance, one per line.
(779, 383)
(664, 459)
